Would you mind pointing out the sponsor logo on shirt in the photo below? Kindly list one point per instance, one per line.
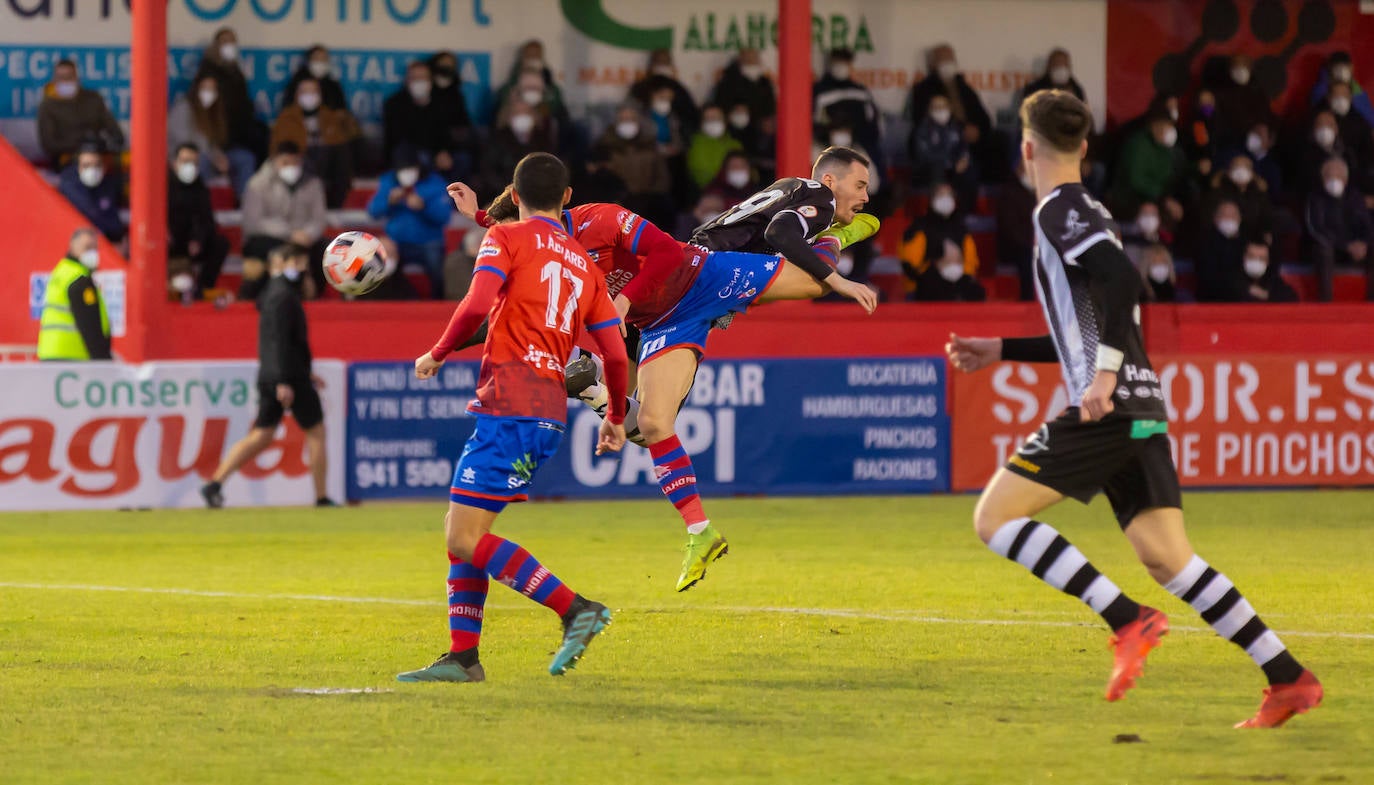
(1123, 392)
(542, 359)
(626, 219)
(807, 211)
(1038, 442)
(1073, 227)
(469, 476)
(488, 248)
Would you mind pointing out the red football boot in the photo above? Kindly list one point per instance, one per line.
(1130, 644)
(1283, 701)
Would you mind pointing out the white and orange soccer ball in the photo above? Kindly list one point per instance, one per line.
(356, 263)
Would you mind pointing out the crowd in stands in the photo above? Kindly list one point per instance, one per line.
(1213, 192)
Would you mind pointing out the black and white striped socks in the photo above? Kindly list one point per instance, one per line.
(1051, 558)
(1222, 606)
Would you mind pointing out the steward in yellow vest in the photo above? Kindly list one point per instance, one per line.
(75, 325)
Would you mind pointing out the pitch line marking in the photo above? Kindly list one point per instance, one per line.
(847, 613)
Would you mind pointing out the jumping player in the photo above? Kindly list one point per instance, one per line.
(1111, 438)
(535, 285)
(655, 282)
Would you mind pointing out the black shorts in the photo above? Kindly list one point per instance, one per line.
(1129, 460)
(632, 342)
(305, 407)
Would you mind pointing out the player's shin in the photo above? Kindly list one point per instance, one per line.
(678, 480)
(508, 563)
(467, 599)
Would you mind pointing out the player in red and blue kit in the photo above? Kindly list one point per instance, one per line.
(535, 286)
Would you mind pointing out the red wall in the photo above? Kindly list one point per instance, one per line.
(392, 331)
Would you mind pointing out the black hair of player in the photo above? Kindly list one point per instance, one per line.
(540, 181)
(837, 160)
(502, 208)
(1058, 117)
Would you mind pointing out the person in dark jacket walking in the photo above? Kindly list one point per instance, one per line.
(191, 229)
(284, 377)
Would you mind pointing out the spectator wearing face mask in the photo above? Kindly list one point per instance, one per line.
(1340, 69)
(1235, 181)
(1322, 144)
(1150, 168)
(74, 326)
(758, 137)
(709, 146)
(735, 181)
(707, 208)
(670, 132)
(841, 135)
(1354, 130)
(452, 106)
(70, 115)
(319, 66)
(282, 204)
(1338, 228)
(662, 75)
(1199, 144)
(944, 78)
(326, 135)
(1159, 281)
(1263, 282)
(939, 153)
(744, 83)
(938, 255)
(520, 130)
(841, 100)
(530, 58)
(95, 191)
(1221, 254)
(413, 116)
(1058, 75)
(1145, 230)
(200, 117)
(417, 208)
(1259, 144)
(192, 233)
(631, 152)
(1240, 102)
(1015, 233)
(220, 62)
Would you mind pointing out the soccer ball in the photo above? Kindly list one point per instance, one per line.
(356, 263)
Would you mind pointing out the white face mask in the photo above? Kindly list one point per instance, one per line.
(320, 68)
(420, 89)
(90, 258)
(737, 178)
(1335, 187)
(91, 176)
(1170, 137)
(1341, 73)
(1240, 76)
(407, 177)
(713, 128)
(662, 108)
(532, 97)
(1159, 273)
(207, 98)
(1060, 75)
(522, 124)
(951, 272)
(309, 101)
(751, 72)
(943, 204)
(229, 52)
(665, 70)
(1254, 143)
(940, 116)
(444, 81)
(1341, 106)
(535, 62)
(1228, 228)
(290, 174)
(1148, 223)
(1242, 176)
(291, 274)
(739, 120)
(1325, 136)
(841, 139)
(1173, 114)
(187, 172)
(66, 89)
(627, 129)
(1255, 267)
(948, 70)
(840, 71)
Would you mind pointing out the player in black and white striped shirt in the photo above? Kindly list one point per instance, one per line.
(1112, 437)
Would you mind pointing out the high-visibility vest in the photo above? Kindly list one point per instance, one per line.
(58, 337)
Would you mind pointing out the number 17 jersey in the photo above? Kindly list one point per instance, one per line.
(551, 289)
(741, 227)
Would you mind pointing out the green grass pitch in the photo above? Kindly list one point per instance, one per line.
(841, 641)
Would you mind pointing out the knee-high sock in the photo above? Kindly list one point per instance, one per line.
(508, 563)
(678, 479)
(1214, 596)
(1051, 558)
(467, 597)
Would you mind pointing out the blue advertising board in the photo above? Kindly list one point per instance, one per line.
(777, 426)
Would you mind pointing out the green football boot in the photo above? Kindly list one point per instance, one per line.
(861, 228)
(702, 549)
(446, 668)
(583, 621)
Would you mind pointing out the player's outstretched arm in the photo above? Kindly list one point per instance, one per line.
(786, 233)
(464, 198)
(975, 354)
(604, 327)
